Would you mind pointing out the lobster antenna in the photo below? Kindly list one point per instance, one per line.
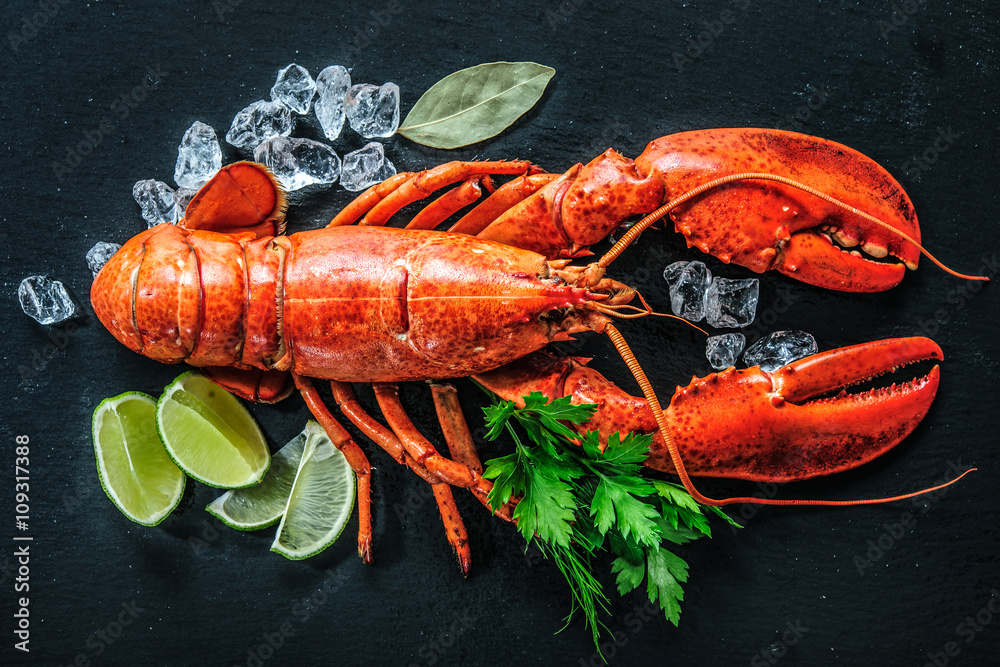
(616, 311)
(675, 457)
(629, 236)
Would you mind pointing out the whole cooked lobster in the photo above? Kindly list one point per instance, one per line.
(258, 311)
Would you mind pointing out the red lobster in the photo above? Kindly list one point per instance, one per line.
(224, 290)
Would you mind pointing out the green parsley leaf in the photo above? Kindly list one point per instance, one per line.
(613, 505)
(666, 574)
(576, 500)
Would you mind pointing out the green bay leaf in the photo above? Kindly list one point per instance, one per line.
(475, 104)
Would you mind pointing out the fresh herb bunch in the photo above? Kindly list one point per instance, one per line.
(577, 501)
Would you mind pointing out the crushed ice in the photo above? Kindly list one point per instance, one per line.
(373, 111)
(780, 348)
(294, 88)
(199, 156)
(298, 162)
(722, 351)
(99, 255)
(46, 300)
(365, 167)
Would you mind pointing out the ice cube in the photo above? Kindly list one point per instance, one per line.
(331, 88)
(365, 167)
(731, 303)
(373, 111)
(258, 122)
(722, 351)
(156, 199)
(99, 255)
(779, 348)
(46, 300)
(299, 162)
(198, 156)
(688, 282)
(294, 88)
(182, 198)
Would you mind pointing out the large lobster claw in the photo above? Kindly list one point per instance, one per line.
(766, 224)
(750, 424)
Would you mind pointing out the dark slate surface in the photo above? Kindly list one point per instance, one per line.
(890, 80)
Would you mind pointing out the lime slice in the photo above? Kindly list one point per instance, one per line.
(321, 500)
(260, 506)
(209, 434)
(132, 464)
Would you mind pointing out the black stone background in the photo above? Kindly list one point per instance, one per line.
(891, 76)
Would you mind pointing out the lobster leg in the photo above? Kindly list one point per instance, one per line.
(444, 206)
(446, 471)
(452, 423)
(454, 426)
(381, 201)
(355, 457)
(505, 197)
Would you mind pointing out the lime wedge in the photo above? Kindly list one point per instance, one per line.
(132, 464)
(260, 506)
(209, 434)
(321, 500)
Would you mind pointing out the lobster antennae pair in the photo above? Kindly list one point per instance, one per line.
(635, 312)
(647, 390)
(629, 236)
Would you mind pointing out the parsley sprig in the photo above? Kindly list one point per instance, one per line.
(576, 501)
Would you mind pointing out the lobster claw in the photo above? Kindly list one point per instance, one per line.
(750, 424)
(766, 224)
(759, 426)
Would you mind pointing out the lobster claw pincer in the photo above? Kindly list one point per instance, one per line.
(790, 424)
(787, 425)
(770, 224)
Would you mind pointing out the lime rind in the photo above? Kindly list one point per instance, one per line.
(132, 464)
(321, 500)
(262, 506)
(210, 435)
